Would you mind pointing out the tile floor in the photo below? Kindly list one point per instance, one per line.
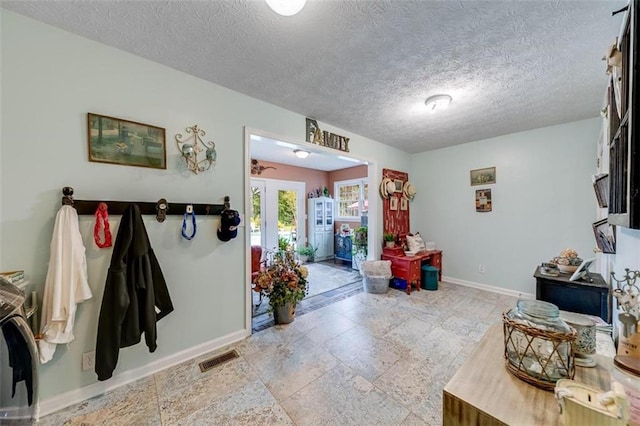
(365, 360)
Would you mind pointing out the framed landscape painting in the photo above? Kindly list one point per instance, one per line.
(129, 143)
(483, 176)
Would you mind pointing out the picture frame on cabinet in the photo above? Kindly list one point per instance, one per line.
(393, 203)
(404, 204)
(128, 143)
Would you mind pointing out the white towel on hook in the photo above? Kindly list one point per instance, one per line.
(66, 284)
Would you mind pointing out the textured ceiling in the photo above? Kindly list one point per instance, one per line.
(367, 66)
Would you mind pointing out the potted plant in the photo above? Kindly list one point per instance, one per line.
(283, 244)
(284, 282)
(389, 239)
(307, 253)
(360, 237)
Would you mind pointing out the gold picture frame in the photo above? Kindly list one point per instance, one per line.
(486, 176)
(128, 143)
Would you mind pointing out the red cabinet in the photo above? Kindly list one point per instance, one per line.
(409, 268)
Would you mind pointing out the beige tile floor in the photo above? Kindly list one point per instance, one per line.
(366, 360)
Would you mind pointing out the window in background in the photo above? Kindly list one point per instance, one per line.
(351, 199)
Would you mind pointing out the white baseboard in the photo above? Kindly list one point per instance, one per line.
(67, 399)
(486, 287)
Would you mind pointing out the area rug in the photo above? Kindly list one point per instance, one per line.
(322, 278)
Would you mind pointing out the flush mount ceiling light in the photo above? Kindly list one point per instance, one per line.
(300, 153)
(286, 7)
(437, 102)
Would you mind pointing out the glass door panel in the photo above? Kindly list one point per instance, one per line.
(258, 237)
(318, 212)
(328, 213)
(288, 218)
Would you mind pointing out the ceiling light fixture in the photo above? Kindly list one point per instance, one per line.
(286, 7)
(437, 102)
(300, 153)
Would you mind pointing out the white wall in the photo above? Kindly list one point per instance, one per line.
(50, 80)
(543, 202)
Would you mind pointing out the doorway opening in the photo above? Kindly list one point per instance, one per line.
(293, 205)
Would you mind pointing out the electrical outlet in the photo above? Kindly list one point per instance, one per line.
(88, 360)
(481, 268)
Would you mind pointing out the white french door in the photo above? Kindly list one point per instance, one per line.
(277, 212)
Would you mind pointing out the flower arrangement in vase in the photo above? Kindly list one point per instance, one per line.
(284, 282)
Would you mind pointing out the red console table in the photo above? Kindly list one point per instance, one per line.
(409, 268)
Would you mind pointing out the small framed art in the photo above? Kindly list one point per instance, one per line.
(399, 185)
(129, 143)
(483, 200)
(393, 203)
(404, 204)
(485, 176)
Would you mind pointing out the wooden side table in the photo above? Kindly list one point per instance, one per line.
(409, 268)
(483, 392)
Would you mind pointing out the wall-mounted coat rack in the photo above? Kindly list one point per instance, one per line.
(86, 207)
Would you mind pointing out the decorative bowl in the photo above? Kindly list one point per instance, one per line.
(567, 268)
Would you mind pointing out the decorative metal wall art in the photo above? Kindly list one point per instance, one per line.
(325, 138)
(192, 145)
(257, 168)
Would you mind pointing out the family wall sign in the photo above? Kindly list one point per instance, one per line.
(325, 138)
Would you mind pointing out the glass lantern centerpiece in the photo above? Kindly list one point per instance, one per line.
(537, 344)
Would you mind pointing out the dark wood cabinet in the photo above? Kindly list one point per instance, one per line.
(344, 248)
(580, 296)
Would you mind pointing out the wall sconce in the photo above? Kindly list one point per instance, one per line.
(301, 153)
(192, 145)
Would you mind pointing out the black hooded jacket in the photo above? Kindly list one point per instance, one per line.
(135, 295)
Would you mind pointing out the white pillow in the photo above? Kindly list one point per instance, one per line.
(415, 243)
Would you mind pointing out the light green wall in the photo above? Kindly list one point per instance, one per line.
(50, 79)
(543, 202)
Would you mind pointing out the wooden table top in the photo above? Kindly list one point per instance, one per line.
(597, 280)
(484, 383)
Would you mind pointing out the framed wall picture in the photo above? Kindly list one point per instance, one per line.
(129, 143)
(393, 203)
(605, 235)
(404, 204)
(483, 200)
(485, 176)
(601, 187)
(399, 185)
